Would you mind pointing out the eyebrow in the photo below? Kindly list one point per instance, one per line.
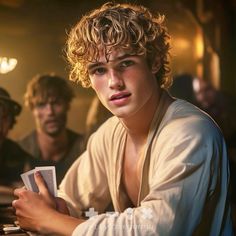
(97, 64)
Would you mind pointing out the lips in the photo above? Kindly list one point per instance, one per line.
(118, 96)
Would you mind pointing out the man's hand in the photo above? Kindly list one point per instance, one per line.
(35, 211)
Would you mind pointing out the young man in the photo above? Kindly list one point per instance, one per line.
(49, 97)
(13, 159)
(162, 162)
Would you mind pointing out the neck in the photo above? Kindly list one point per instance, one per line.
(138, 126)
(52, 147)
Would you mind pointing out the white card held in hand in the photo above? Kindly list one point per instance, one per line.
(25, 178)
(32, 185)
(49, 175)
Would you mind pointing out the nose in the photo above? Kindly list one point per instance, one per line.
(115, 80)
(49, 108)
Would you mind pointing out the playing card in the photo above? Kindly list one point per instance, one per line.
(49, 175)
(25, 179)
(32, 185)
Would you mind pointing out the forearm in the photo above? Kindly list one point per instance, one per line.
(59, 224)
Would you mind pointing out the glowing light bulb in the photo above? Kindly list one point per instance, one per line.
(7, 64)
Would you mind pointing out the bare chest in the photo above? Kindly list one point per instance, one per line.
(132, 174)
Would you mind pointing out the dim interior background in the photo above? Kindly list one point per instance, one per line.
(35, 31)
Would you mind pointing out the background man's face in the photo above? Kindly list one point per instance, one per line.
(51, 116)
(206, 95)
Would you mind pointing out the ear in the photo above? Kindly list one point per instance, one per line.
(156, 65)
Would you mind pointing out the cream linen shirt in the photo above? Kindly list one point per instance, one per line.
(184, 182)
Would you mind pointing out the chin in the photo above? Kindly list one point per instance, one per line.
(126, 112)
(53, 133)
(121, 115)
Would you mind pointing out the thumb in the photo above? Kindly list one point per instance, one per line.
(42, 186)
(43, 189)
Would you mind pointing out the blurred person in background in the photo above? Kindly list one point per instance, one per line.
(49, 97)
(13, 159)
(222, 108)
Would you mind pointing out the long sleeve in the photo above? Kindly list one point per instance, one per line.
(188, 181)
(184, 189)
(85, 184)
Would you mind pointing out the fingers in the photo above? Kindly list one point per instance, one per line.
(19, 192)
(23, 196)
(14, 203)
(16, 206)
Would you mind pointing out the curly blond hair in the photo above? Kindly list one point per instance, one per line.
(118, 26)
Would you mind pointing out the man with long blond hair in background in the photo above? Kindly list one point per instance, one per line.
(49, 96)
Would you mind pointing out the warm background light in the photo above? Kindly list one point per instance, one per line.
(199, 45)
(182, 44)
(7, 64)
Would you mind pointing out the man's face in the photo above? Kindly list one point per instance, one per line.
(5, 124)
(51, 116)
(124, 83)
(205, 95)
